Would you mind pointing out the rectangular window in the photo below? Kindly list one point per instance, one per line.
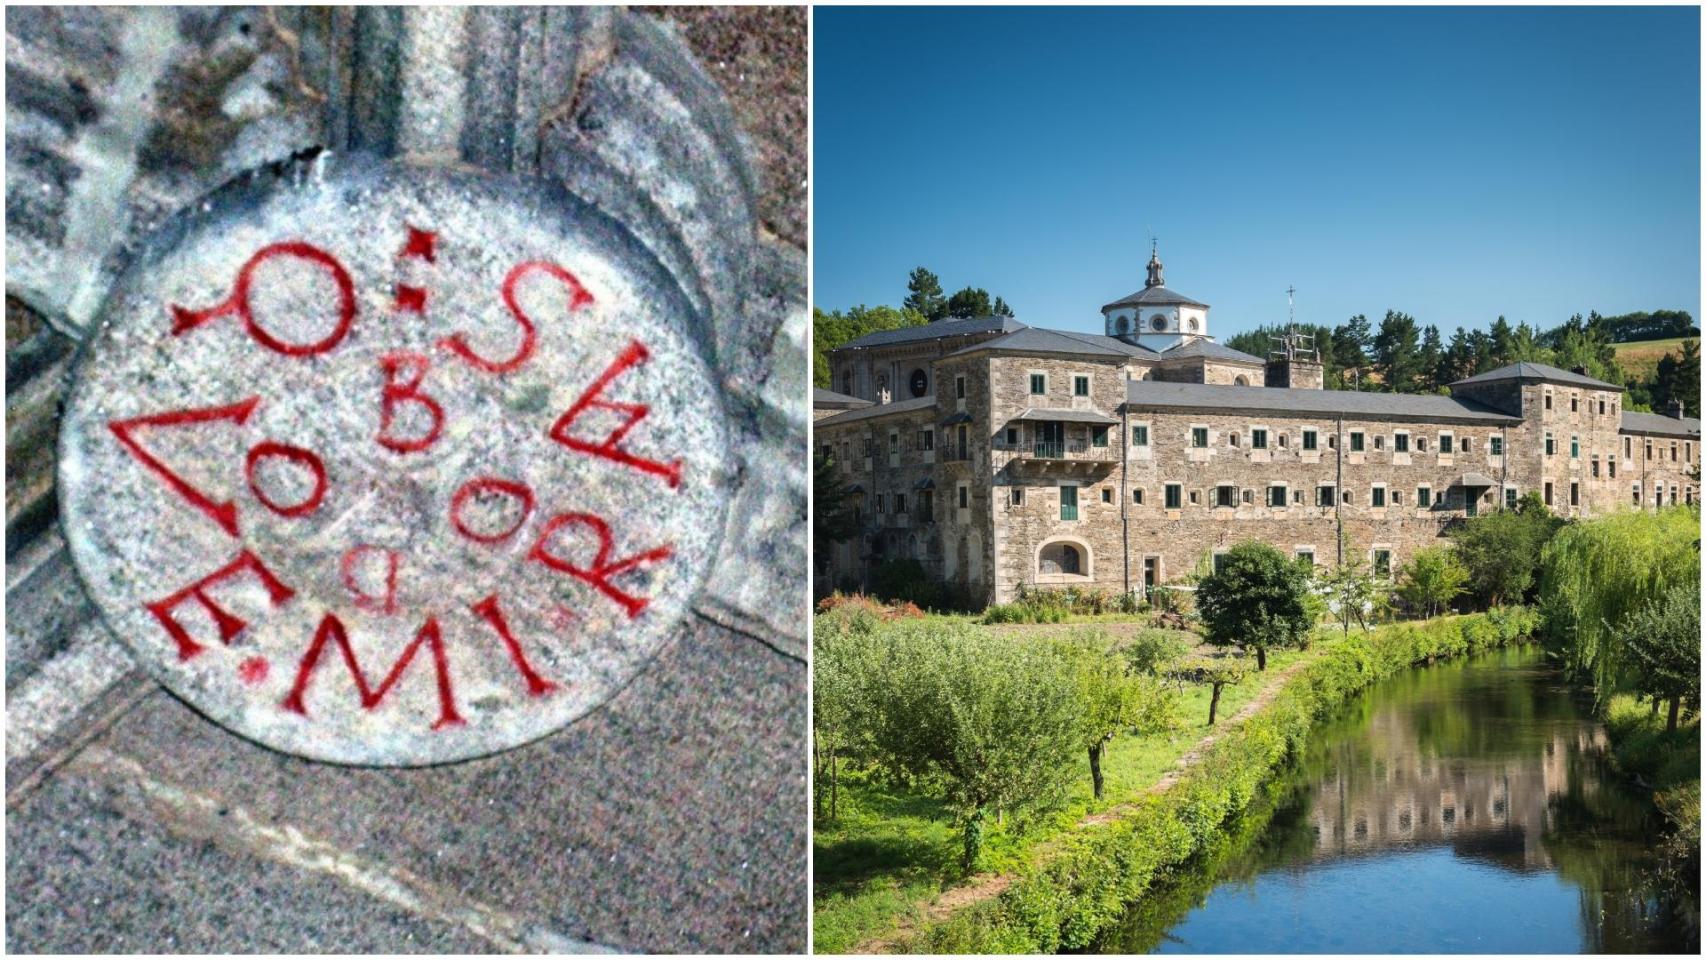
(1012, 436)
(927, 440)
(1573, 401)
(1446, 442)
(1225, 496)
(1107, 495)
(1018, 496)
(1595, 467)
(1546, 492)
(1687, 452)
(1421, 444)
(894, 443)
(1611, 465)
(1069, 503)
(1258, 439)
(1199, 437)
(1140, 436)
(1575, 447)
(1383, 563)
(1463, 445)
(960, 388)
(1276, 496)
(965, 496)
(927, 508)
(1098, 436)
(1039, 384)
(1496, 446)
(1309, 440)
(1636, 495)
(1510, 498)
(879, 503)
(1137, 496)
(900, 503)
(1628, 452)
(1306, 557)
(1548, 401)
(1424, 497)
(1380, 441)
(1323, 496)
(1575, 494)
(1673, 496)
(1673, 451)
(1356, 441)
(1377, 497)
(1081, 386)
(1649, 449)
(1602, 406)
(1400, 443)
(1172, 496)
(1219, 562)
(1471, 503)
(1551, 448)
(965, 443)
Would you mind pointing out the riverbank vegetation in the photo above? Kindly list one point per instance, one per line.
(953, 756)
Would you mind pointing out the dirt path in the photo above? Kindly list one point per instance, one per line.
(985, 886)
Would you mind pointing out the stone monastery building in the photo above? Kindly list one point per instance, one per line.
(998, 454)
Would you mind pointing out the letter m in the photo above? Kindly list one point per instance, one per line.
(332, 631)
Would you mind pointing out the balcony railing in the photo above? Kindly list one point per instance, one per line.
(1074, 450)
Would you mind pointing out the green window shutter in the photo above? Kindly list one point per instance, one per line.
(1038, 383)
(1140, 436)
(1069, 503)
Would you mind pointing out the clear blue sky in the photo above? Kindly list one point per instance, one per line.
(1452, 163)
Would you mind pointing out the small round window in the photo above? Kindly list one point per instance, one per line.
(1159, 321)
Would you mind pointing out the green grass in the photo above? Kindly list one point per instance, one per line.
(890, 850)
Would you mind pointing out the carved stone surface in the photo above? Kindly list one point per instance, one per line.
(383, 464)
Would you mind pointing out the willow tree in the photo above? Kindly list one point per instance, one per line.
(1597, 573)
(1663, 640)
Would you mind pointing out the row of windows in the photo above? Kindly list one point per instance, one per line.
(1357, 441)
(1281, 495)
(1575, 403)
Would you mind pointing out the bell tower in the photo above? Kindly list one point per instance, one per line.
(1156, 317)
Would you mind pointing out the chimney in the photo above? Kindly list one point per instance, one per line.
(1673, 409)
(1581, 370)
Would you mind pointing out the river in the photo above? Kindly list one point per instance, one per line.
(1465, 807)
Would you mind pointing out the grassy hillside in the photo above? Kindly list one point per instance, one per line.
(1640, 360)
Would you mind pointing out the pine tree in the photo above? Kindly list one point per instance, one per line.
(925, 295)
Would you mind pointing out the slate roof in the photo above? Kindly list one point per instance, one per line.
(1040, 340)
(1286, 401)
(1208, 349)
(877, 410)
(935, 330)
(830, 400)
(1538, 371)
(1687, 428)
(1066, 416)
(1154, 295)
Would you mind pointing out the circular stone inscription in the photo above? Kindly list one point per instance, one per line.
(389, 465)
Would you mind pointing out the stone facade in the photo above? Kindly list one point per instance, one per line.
(1072, 469)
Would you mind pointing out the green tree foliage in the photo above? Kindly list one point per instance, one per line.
(993, 721)
(1428, 358)
(970, 302)
(1586, 345)
(1113, 697)
(1597, 573)
(1663, 640)
(924, 295)
(1000, 309)
(1258, 600)
(831, 330)
(1432, 580)
(1501, 550)
(1351, 341)
(1353, 592)
(832, 520)
(840, 710)
(1397, 356)
(1678, 378)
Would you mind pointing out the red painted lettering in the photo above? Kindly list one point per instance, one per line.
(185, 319)
(332, 630)
(603, 568)
(404, 372)
(483, 485)
(422, 244)
(610, 448)
(578, 298)
(228, 623)
(537, 686)
(223, 513)
(309, 504)
(349, 567)
(410, 299)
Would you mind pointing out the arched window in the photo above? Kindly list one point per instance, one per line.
(1060, 558)
(1120, 327)
(1240, 381)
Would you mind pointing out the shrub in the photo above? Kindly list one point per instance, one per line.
(1431, 581)
(1502, 550)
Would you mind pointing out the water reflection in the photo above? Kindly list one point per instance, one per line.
(1465, 807)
